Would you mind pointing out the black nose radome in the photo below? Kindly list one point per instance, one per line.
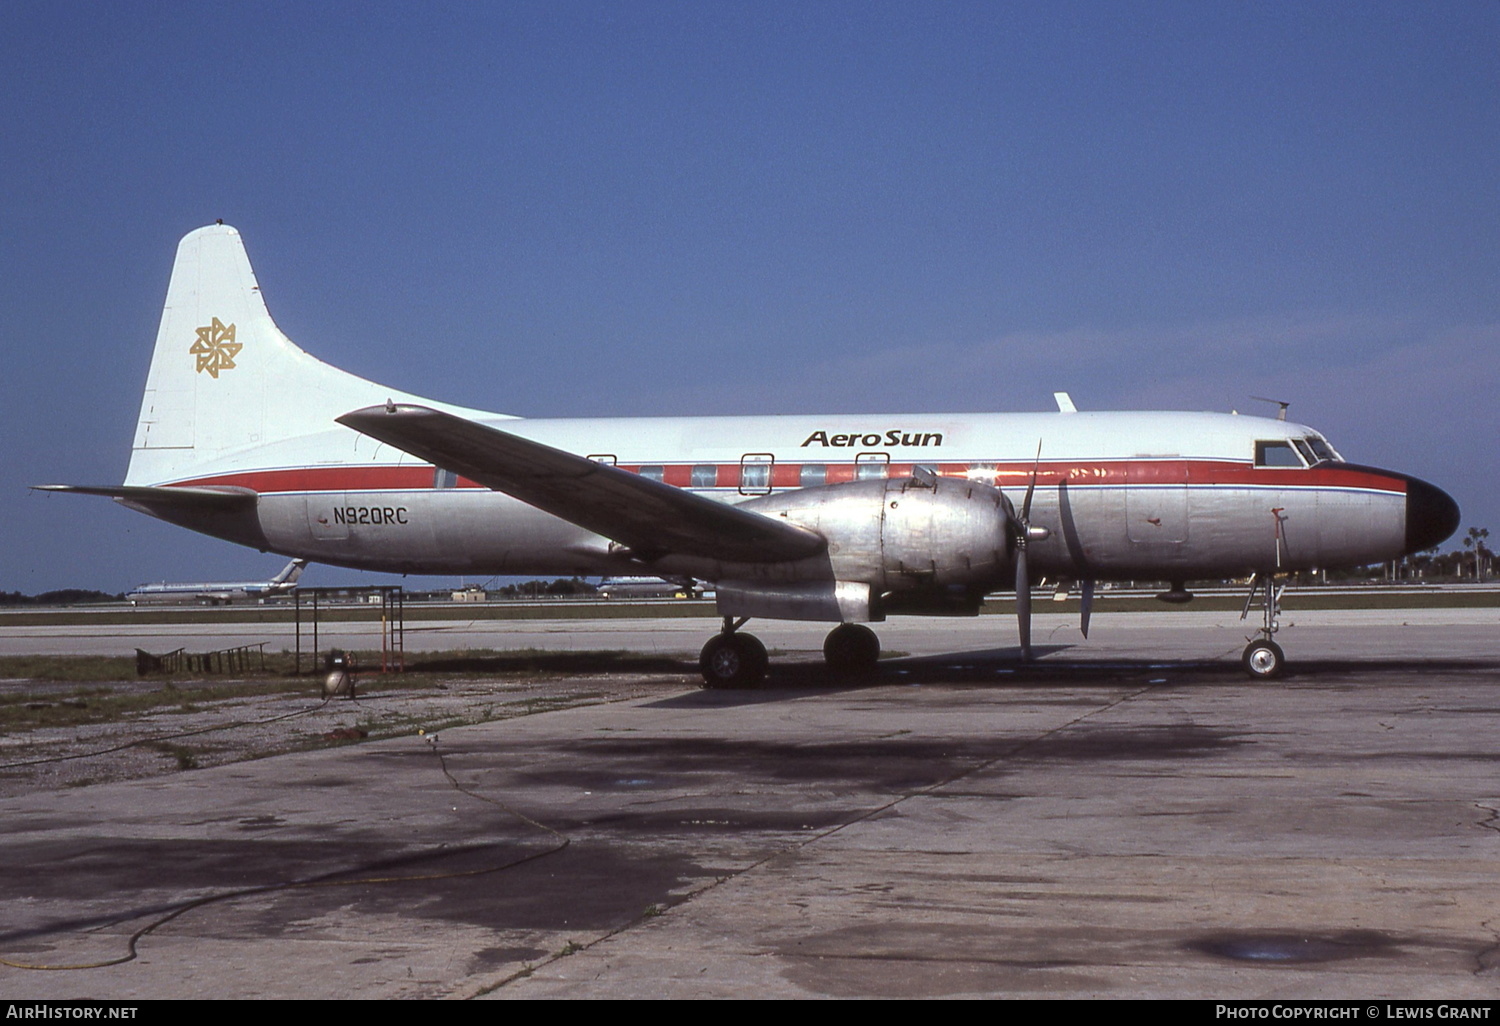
(1431, 515)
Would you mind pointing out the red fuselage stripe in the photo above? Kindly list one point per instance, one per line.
(791, 475)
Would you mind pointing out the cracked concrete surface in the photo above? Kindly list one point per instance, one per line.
(1136, 819)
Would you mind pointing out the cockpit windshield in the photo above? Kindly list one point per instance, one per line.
(1322, 450)
(1277, 453)
(1295, 452)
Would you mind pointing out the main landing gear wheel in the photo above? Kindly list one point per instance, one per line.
(851, 649)
(733, 660)
(1263, 659)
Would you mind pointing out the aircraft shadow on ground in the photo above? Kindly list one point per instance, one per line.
(1003, 668)
(997, 668)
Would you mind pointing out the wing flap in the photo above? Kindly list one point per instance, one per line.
(651, 518)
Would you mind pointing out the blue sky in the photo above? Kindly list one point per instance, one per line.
(617, 208)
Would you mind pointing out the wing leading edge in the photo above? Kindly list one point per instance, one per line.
(651, 518)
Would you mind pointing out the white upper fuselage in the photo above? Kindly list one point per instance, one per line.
(833, 439)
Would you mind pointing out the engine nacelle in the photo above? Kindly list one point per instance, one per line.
(907, 537)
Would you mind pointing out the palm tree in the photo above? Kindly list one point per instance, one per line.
(1475, 540)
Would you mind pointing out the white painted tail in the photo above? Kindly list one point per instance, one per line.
(227, 390)
(291, 573)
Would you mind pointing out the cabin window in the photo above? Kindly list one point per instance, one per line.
(813, 475)
(653, 473)
(755, 473)
(705, 475)
(444, 478)
(1277, 454)
(870, 466)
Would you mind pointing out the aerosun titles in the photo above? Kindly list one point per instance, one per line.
(869, 440)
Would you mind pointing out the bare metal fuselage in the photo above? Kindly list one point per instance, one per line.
(1181, 508)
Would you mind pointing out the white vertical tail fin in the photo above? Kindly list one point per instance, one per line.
(224, 380)
(291, 573)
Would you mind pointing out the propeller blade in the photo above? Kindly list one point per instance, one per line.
(1031, 487)
(1022, 526)
(1023, 602)
(1086, 605)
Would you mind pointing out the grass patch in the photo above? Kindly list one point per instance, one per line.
(359, 613)
(1291, 602)
(107, 691)
(68, 668)
(401, 725)
(127, 700)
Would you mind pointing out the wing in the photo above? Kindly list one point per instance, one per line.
(651, 518)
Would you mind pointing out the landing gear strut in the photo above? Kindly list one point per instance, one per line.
(851, 649)
(732, 659)
(1263, 658)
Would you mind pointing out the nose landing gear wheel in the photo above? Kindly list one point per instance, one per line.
(1263, 659)
(733, 661)
(851, 649)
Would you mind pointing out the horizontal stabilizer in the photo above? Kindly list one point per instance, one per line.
(225, 497)
(651, 518)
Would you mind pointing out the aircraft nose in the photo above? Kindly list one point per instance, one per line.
(1431, 515)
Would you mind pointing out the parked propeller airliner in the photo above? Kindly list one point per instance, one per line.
(844, 519)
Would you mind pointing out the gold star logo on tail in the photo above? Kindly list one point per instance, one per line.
(216, 348)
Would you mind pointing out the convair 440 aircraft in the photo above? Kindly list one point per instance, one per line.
(844, 519)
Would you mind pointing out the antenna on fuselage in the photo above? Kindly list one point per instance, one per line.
(1281, 413)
